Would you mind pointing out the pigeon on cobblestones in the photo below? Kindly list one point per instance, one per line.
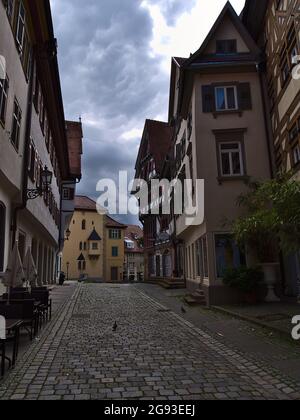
(115, 327)
(183, 310)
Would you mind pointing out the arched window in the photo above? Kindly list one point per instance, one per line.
(83, 224)
(2, 234)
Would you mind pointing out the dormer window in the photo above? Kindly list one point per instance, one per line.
(226, 46)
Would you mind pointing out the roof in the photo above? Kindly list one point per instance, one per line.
(85, 203)
(74, 139)
(159, 134)
(253, 16)
(133, 233)
(81, 258)
(203, 61)
(229, 11)
(180, 60)
(94, 236)
(110, 222)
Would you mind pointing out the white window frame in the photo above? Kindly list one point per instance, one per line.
(225, 88)
(230, 152)
(21, 20)
(115, 234)
(4, 88)
(17, 117)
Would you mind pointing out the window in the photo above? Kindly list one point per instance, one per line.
(81, 265)
(20, 34)
(202, 258)
(32, 160)
(226, 98)
(227, 46)
(95, 246)
(115, 251)
(190, 125)
(83, 225)
(293, 132)
(296, 155)
(232, 97)
(231, 162)
(16, 125)
(288, 56)
(80, 246)
(66, 194)
(9, 6)
(115, 234)
(228, 254)
(4, 85)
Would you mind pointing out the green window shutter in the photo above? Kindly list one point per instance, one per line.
(244, 96)
(208, 99)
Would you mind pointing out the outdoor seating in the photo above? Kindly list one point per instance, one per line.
(13, 315)
(28, 314)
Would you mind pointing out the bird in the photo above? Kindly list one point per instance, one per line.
(183, 310)
(115, 326)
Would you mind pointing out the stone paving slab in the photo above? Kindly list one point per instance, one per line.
(153, 354)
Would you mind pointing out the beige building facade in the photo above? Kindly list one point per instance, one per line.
(95, 248)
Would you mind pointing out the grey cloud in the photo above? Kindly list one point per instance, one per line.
(109, 77)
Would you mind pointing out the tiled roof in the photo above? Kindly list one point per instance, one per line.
(160, 138)
(74, 139)
(132, 232)
(114, 224)
(84, 203)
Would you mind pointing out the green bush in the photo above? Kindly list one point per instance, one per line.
(243, 279)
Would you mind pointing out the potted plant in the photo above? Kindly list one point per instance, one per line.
(271, 224)
(246, 280)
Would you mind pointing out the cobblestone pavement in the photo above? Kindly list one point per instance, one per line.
(154, 354)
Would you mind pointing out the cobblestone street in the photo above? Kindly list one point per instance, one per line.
(153, 354)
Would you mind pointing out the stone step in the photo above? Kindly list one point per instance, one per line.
(196, 298)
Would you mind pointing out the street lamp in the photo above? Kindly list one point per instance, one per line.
(46, 181)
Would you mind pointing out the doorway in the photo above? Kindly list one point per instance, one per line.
(114, 274)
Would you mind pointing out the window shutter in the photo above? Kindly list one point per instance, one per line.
(244, 96)
(208, 98)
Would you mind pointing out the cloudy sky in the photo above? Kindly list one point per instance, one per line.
(115, 60)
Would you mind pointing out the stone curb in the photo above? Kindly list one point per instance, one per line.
(283, 333)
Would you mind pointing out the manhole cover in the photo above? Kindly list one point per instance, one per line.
(81, 316)
(274, 317)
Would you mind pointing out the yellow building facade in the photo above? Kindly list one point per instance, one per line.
(95, 247)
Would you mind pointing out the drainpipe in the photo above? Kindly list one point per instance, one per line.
(266, 109)
(22, 206)
(270, 144)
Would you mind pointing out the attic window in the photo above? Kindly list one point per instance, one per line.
(227, 46)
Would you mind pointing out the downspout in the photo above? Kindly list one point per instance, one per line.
(270, 144)
(22, 206)
(268, 128)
